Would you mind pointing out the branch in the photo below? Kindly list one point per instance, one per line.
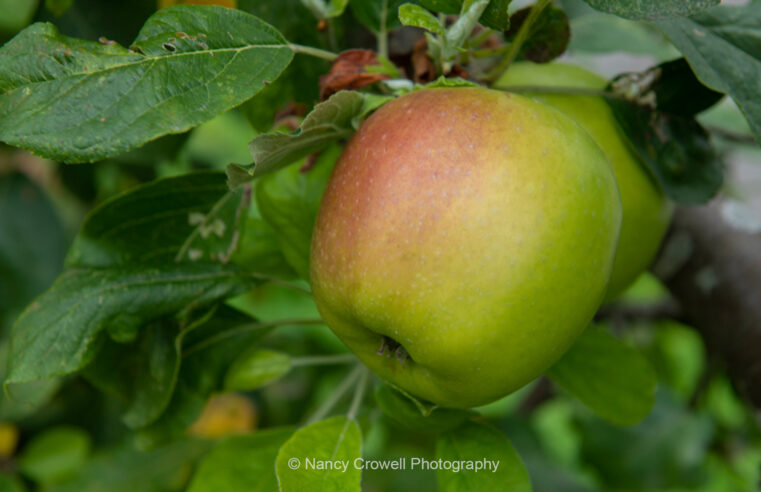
(713, 269)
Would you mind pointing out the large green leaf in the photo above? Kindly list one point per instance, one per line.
(484, 446)
(85, 101)
(193, 213)
(723, 47)
(58, 333)
(241, 463)
(336, 439)
(614, 380)
(651, 9)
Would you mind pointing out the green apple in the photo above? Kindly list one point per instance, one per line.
(464, 241)
(646, 211)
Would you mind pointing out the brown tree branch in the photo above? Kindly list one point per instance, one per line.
(713, 268)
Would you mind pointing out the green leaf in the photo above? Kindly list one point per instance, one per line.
(55, 455)
(722, 47)
(614, 380)
(676, 150)
(485, 446)
(322, 10)
(207, 352)
(152, 223)
(144, 373)
(329, 121)
(32, 244)
(337, 439)
(463, 26)
(403, 412)
(86, 101)
(256, 368)
(416, 16)
(58, 333)
(377, 15)
(651, 9)
(289, 200)
(666, 451)
(447, 82)
(241, 463)
(495, 16)
(677, 90)
(548, 36)
(126, 469)
(22, 400)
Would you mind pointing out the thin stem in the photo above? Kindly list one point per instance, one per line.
(515, 47)
(248, 327)
(323, 360)
(316, 52)
(358, 395)
(339, 392)
(481, 37)
(281, 283)
(574, 91)
(383, 34)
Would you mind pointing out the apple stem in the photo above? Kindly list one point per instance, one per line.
(515, 47)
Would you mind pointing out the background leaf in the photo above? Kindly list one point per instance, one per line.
(32, 244)
(55, 455)
(153, 222)
(241, 463)
(371, 13)
(255, 368)
(335, 439)
(289, 200)
(477, 442)
(676, 150)
(548, 36)
(651, 9)
(207, 352)
(87, 101)
(612, 379)
(406, 415)
(126, 469)
(723, 47)
(57, 333)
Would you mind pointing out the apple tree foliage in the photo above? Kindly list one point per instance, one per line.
(187, 277)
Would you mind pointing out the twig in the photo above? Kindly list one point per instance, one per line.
(339, 392)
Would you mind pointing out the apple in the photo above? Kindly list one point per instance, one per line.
(646, 211)
(464, 240)
(225, 415)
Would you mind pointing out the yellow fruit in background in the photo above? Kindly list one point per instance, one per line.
(464, 240)
(646, 211)
(224, 415)
(224, 3)
(8, 439)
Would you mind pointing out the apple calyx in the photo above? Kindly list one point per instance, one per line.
(389, 346)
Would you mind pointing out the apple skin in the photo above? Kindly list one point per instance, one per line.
(474, 228)
(646, 211)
